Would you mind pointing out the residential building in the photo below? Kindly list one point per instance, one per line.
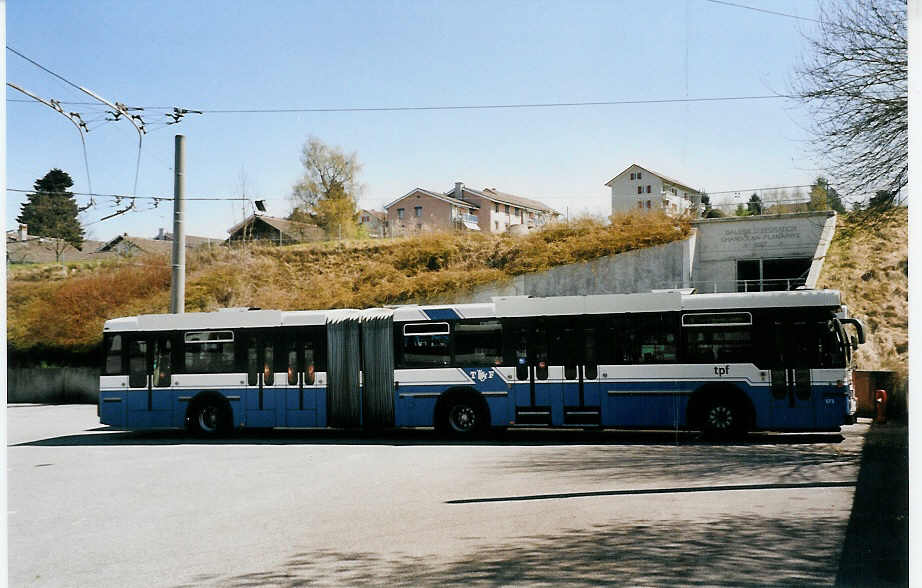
(126, 245)
(21, 247)
(270, 229)
(373, 221)
(638, 188)
(191, 240)
(465, 208)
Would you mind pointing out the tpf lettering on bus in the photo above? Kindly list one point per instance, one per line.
(721, 370)
(481, 375)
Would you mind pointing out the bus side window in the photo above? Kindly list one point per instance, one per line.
(137, 363)
(162, 361)
(114, 350)
(309, 363)
(292, 362)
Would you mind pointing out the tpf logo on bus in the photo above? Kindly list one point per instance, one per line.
(481, 375)
(721, 371)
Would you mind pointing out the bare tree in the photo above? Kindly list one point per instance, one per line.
(856, 87)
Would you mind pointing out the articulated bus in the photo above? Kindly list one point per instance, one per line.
(721, 363)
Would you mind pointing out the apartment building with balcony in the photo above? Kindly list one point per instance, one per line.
(464, 208)
(639, 188)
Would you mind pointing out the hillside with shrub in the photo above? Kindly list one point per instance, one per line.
(55, 314)
(868, 261)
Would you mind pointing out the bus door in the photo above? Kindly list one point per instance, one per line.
(581, 401)
(150, 394)
(793, 401)
(262, 406)
(302, 391)
(538, 385)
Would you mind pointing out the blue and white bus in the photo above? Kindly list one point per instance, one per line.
(721, 363)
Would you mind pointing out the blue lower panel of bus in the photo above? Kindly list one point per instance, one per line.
(647, 404)
(415, 407)
(622, 404)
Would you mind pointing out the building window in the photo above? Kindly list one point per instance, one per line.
(496, 208)
(418, 210)
(640, 204)
(632, 176)
(640, 189)
(648, 188)
(400, 213)
(648, 204)
(496, 225)
(419, 227)
(638, 175)
(506, 210)
(365, 219)
(472, 210)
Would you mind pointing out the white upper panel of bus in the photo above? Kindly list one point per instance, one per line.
(504, 306)
(599, 304)
(216, 320)
(816, 298)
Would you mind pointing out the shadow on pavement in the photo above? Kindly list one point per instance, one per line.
(876, 550)
(727, 551)
(109, 436)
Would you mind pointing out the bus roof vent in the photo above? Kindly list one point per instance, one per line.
(683, 291)
(239, 309)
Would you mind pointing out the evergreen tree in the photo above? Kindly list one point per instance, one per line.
(754, 205)
(51, 211)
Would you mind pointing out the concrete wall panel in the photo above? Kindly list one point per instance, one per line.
(74, 385)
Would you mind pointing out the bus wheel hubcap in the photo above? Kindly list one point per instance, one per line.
(463, 418)
(721, 417)
(208, 418)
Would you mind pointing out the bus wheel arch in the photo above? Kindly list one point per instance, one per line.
(721, 411)
(209, 413)
(461, 412)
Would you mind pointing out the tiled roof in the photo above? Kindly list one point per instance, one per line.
(503, 197)
(676, 183)
(289, 228)
(444, 197)
(41, 250)
(144, 244)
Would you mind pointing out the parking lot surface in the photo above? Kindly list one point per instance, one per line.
(91, 506)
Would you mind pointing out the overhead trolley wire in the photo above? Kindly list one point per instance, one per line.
(309, 109)
(772, 12)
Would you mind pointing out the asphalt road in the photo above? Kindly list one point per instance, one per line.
(94, 507)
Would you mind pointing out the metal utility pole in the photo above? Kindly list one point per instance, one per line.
(178, 292)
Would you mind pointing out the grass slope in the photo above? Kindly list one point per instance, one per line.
(869, 263)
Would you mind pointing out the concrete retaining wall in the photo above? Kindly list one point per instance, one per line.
(73, 385)
(642, 270)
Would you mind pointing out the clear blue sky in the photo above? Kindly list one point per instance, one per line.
(251, 55)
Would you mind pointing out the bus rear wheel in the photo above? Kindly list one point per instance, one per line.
(722, 419)
(209, 416)
(462, 417)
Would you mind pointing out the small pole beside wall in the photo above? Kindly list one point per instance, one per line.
(178, 291)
